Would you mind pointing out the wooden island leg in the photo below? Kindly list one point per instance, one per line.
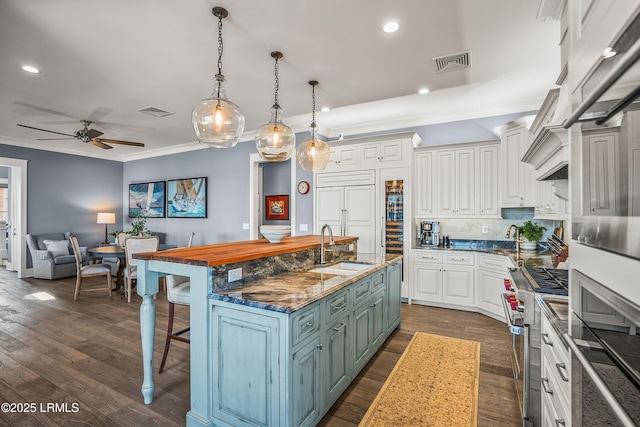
(147, 288)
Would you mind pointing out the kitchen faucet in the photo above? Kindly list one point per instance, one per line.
(517, 236)
(331, 242)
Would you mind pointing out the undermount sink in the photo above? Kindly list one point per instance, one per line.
(342, 268)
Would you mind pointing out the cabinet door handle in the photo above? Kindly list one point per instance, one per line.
(319, 346)
(337, 328)
(309, 324)
(373, 304)
(560, 422)
(428, 257)
(340, 306)
(546, 340)
(562, 369)
(545, 381)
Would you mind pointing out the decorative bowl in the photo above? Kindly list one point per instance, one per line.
(275, 233)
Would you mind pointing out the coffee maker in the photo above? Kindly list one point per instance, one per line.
(429, 233)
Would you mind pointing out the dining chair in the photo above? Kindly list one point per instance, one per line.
(133, 245)
(178, 292)
(90, 270)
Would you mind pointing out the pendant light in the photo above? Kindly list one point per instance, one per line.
(217, 121)
(313, 154)
(275, 141)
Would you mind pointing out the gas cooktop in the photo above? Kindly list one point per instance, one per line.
(548, 280)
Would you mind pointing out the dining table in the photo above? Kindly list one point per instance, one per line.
(117, 251)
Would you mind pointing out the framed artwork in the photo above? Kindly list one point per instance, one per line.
(187, 198)
(147, 199)
(277, 207)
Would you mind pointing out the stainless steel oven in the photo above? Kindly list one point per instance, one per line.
(605, 348)
(608, 150)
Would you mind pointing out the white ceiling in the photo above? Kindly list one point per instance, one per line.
(104, 60)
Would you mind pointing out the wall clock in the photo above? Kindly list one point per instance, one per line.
(303, 187)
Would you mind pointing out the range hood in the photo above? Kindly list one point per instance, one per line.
(549, 151)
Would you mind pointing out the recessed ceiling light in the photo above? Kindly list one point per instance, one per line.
(390, 27)
(423, 91)
(325, 109)
(31, 69)
(608, 52)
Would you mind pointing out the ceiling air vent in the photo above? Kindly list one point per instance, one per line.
(155, 111)
(454, 61)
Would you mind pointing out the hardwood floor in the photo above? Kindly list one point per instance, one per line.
(80, 361)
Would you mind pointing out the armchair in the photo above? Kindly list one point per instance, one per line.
(53, 262)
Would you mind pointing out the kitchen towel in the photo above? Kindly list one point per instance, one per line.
(435, 383)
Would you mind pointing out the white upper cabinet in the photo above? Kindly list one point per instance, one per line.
(458, 182)
(375, 152)
(424, 187)
(601, 178)
(518, 178)
(344, 157)
(488, 158)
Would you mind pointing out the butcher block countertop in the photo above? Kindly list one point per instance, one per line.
(233, 252)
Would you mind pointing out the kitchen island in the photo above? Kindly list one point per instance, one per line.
(279, 346)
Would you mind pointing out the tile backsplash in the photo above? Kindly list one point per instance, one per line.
(471, 228)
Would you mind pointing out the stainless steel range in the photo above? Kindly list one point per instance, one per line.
(523, 318)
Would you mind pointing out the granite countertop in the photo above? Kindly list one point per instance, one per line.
(291, 291)
(539, 258)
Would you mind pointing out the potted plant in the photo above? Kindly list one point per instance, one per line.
(139, 227)
(531, 233)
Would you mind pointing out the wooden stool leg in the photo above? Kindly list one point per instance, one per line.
(172, 308)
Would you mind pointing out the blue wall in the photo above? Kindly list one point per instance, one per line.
(65, 192)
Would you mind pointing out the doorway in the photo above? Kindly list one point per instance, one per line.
(257, 197)
(17, 225)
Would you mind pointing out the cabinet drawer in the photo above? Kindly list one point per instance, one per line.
(337, 305)
(377, 281)
(459, 258)
(361, 290)
(553, 386)
(429, 255)
(494, 262)
(305, 324)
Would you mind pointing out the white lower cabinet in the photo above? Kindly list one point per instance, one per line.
(492, 270)
(446, 278)
(459, 280)
(555, 378)
(279, 369)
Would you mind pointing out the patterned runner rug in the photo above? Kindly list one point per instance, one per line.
(435, 383)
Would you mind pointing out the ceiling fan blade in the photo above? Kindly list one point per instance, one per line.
(115, 141)
(100, 144)
(92, 133)
(54, 139)
(44, 130)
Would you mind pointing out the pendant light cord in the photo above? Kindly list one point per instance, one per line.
(277, 82)
(313, 112)
(220, 47)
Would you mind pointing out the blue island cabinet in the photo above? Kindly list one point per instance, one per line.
(256, 366)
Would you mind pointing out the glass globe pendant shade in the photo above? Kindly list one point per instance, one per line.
(313, 154)
(217, 121)
(275, 141)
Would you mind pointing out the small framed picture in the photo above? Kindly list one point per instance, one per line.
(146, 199)
(277, 207)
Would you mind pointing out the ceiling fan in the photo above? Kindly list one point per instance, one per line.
(86, 135)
